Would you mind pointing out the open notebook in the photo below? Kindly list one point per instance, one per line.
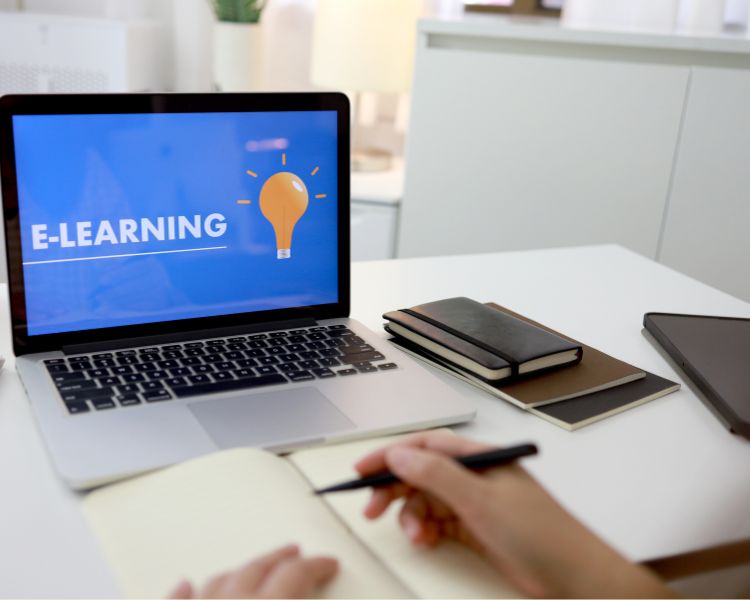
(216, 512)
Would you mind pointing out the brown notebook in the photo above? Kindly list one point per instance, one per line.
(595, 372)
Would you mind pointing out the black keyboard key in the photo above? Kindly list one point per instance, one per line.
(169, 354)
(194, 352)
(335, 342)
(297, 339)
(224, 366)
(316, 335)
(316, 345)
(144, 367)
(338, 327)
(255, 353)
(300, 376)
(320, 328)
(214, 350)
(237, 340)
(167, 364)
(338, 333)
(194, 345)
(103, 403)
(152, 385)
(214, 358)
(191, 361)
(257, 336)
(133, 377)
(295, 348)
(125, 353)
(171, 347)
(54, 361)
(150, 357)
(258, 344)
(278, 334)
(387, 366)
(354, 340)
(222, 376)
(129, 400)
(329, 362)
(155, 375)
(245, 373)
(286, 358)
(127, 388)
(61, 368)
(309, 364)
(324, 373)
(90, 394)
(361, 357)
(277, 342)
(81, 366)
(236, 347)
(298, 332)
(228, 386)
(74, 386)
(122, 370)
(329, 352)
(266, 370)
(59, 378)
(157, 395)
(367, 369)
(78, 359)
(234, 355)
(75, 408)
(127, 360)
(346, 372)
(104, 362)
(308, 354)
(216, 342)
(268, 360)
(181, 371)
(175, 381)
(108, 381)
(102, 355)
(288, 367)
(276, 350)
(200, 378)
(92, 373)
(203, 369)
(148, 350)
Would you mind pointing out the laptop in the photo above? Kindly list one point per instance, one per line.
(178, 270)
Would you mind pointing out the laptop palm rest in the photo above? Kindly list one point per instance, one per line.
(268, 418)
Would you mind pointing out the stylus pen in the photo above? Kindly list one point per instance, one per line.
(483, 460)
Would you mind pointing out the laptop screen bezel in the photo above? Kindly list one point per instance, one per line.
(63, 104)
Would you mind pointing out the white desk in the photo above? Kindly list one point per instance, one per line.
(657, 480)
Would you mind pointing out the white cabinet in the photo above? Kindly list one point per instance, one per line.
(530, 135)
(376, 200)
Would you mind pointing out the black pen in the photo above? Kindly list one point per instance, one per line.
(483, 460)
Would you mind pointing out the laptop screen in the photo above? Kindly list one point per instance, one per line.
(129, 219)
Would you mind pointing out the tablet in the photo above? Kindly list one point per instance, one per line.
(713, 353)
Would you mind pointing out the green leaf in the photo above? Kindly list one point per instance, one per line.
(237, 11)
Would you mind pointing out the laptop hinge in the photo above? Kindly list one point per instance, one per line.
(184, 336)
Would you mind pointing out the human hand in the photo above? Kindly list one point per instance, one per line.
(503, 514)
(280, 574)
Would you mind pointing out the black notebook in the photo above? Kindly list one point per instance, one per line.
(491, 344)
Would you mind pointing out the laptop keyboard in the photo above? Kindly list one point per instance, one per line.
(131, 377)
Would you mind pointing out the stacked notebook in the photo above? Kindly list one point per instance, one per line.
(523, 362)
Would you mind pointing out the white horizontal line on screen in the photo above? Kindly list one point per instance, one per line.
(62, 260)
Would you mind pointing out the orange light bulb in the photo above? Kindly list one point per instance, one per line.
(283, 200)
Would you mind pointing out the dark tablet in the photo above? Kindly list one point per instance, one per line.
(714, 353)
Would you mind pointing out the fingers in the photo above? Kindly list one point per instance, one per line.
(183, 591)
(439, 475)
(441, 441)
(297, 577)
(251, 575)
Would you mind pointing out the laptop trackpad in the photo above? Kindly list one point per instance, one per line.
(270, 419)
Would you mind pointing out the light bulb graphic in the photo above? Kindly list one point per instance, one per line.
(283, 200)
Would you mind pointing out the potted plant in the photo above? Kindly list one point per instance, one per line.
(237, 44)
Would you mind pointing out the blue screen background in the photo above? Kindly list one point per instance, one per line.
(75, 168)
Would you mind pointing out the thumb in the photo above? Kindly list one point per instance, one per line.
(437, 474)
(183, 591)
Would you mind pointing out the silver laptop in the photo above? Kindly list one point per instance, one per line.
(179, 281)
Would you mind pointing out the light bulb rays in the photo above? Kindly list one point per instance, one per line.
(283, 200)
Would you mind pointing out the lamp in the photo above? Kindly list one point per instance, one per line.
(364, 46)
